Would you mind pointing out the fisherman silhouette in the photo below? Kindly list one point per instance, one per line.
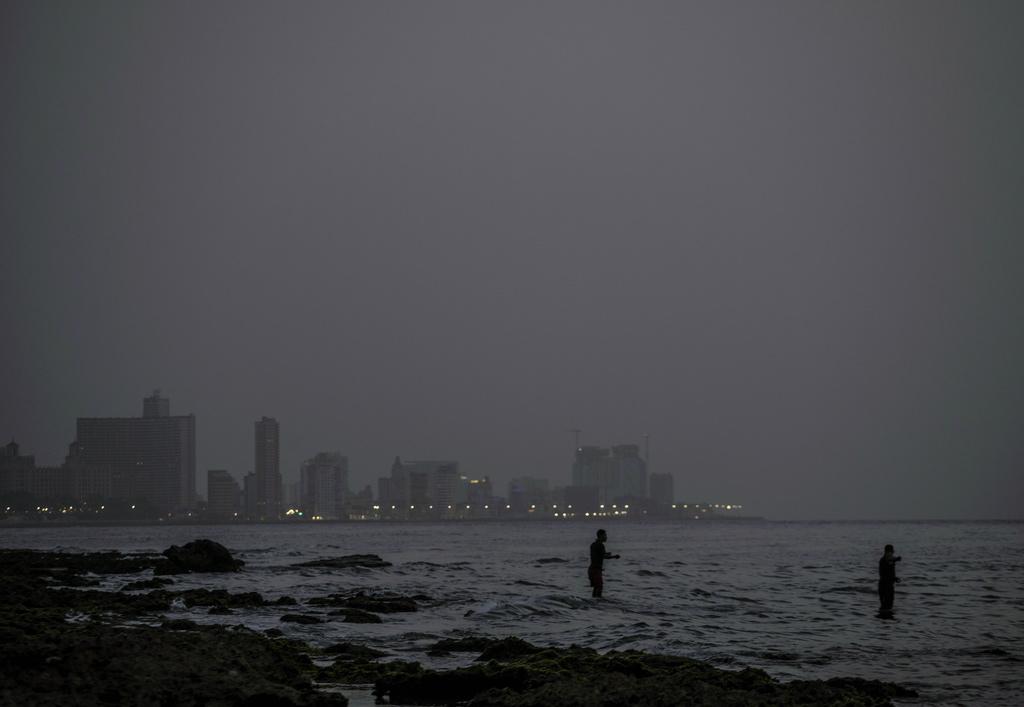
(597, 557)
(887, 579)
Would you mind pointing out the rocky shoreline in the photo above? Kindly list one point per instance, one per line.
(65, 643)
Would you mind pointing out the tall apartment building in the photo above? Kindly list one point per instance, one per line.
(268, 470)
(223, 494)
(420, 486)
(323, 487)
(152, 458)
(617, 473)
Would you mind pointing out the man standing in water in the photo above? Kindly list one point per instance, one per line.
(887, 579)
(597, 558)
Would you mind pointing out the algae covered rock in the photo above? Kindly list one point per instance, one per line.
(581, 677)
(62, 646)
(95, 664)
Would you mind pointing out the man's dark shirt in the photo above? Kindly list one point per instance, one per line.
(887, 571)
(597, 554)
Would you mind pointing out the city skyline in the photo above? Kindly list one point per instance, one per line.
(266, 465)
(781, 239)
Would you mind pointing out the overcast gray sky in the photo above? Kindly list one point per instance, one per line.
(784, 239)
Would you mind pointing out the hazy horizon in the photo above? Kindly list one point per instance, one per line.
(784, 240)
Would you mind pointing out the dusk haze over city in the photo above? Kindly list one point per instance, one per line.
(774, 251)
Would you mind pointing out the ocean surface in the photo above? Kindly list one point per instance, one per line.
(797, 599)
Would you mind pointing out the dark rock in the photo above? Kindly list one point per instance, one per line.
(347, 562)
(508, 648)
(360, 671)
(470, 644)
(70, 579)
(25, 562)
(94, 665)
(220, 597)
(581, 677)
(199, 556)
(180, 625)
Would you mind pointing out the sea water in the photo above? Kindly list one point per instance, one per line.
(797, 599)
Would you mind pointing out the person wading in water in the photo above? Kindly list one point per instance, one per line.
(887, 579)
(597, 557)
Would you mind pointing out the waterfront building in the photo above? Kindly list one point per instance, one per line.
(16, 470)
(477, 491)
(152, 459)
(268, 470)
(527, 493)
(72, 483)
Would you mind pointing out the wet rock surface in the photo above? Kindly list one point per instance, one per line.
(347, 562)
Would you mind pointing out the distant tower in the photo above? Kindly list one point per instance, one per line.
(155, 406)
(268, 469)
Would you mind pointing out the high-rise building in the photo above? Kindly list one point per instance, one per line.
(393, 491)
(249, 494)
(223, 492)
(619, 473)
(420, 487)
(631, 471)
(268, 470)
(480, 491)
(432, 483)
(526, 493)
(152, 458)
(324, 485)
